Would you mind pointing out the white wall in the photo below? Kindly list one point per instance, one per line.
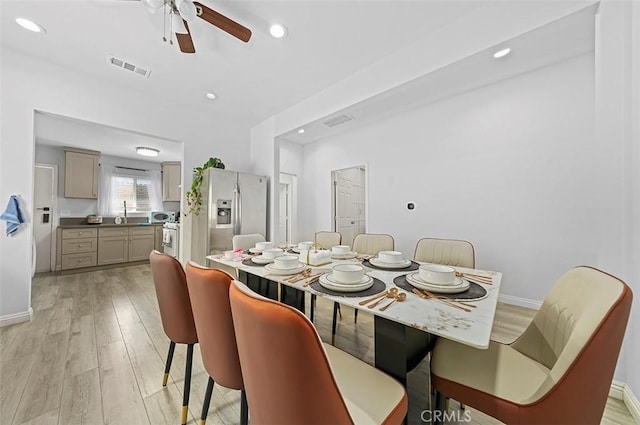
(291, 163)
(508, 167)
(28, 84)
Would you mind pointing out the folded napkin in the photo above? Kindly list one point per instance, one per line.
(315, 257)
(12, 215)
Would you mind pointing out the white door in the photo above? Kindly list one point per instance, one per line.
(286, 230)
(43, 204)
(349, 202)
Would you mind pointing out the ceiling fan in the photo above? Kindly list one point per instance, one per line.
(182, 11)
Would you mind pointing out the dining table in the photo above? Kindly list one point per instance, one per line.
(406, 331)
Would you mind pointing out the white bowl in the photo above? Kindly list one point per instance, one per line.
(438, 274)
(348, 273)
(271, 253)
(341, 249)
(286, 262)
(305, 245)
(264, 245)
(390, 256)
(230, 255)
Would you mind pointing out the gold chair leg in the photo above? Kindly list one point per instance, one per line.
(185, 412)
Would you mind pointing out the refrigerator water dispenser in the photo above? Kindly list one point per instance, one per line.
(224, 211)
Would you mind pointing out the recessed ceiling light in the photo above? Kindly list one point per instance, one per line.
(211, 96)
(501, 53)
(301, 131)
(30, 25)
(278, 30)
(145, 151)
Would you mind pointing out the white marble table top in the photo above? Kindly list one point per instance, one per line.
(470, 328)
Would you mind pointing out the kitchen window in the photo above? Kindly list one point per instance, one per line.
(141, 189)
(135, 191)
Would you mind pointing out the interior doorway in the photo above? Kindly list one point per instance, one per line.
(349, 197)
(44, 198)
(288, 211)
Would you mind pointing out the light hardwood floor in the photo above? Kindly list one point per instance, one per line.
(94, 354)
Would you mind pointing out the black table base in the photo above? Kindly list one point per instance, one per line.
(398, 348)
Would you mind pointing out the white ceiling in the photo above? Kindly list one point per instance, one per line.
(327, 41)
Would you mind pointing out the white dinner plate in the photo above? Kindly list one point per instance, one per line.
(259, 259)
(327, 281)
(255, 250)
(284, 272)
(399, 265)
(345, 256)
(460, 285)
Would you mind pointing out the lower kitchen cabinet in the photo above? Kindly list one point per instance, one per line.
(125, 244)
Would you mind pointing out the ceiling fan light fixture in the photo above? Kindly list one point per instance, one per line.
(187, 10)
(28, 24)
(153, 5)
(177, 24)
(278, 31)
(146, 151)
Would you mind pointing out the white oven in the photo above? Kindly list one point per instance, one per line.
(171, 239)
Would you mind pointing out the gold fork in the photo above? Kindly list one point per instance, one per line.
(429, 295)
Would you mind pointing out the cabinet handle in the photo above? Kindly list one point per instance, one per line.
(79, 233)
(79, 245)
(80, 260)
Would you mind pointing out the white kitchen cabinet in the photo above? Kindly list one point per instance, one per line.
(171, 190)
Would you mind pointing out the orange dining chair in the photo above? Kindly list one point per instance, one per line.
(559, 371)
(209, 292)
(451, 252)
(175, 311)
(277, 343)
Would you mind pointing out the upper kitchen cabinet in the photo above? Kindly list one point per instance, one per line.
(171, 181)
(81, 174)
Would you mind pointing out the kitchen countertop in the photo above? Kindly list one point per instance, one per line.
(84, 226)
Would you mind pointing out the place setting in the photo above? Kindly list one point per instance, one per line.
(342, 252)
(283, 264)
(390, 261)
(348, 280)
(263, 253)
(442, 283)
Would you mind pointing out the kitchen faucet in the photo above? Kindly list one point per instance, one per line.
(125, 212)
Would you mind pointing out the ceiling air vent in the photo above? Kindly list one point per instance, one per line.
(128, 66)
(337, 120)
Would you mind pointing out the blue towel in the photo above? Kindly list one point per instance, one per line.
(12, 215)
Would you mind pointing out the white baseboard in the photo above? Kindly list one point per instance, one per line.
(11, 319)
(621, 391)
(520, 302)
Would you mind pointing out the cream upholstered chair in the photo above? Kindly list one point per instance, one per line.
(371, 244)
(170, 284)
(247, 241)
(328, 239)
(451, 252)
(338, 389)
(559, 371)
(209, 294)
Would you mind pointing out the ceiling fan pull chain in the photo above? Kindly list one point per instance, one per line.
(164, 24)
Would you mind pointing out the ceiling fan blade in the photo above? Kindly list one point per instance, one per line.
(225, 24)
(185, 41)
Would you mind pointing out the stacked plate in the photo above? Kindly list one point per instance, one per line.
(342, 252)
(437, 278)
(285, 265)
(390, 260)
(346, 278)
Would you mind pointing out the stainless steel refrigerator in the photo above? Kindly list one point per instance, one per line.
(233, 203)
